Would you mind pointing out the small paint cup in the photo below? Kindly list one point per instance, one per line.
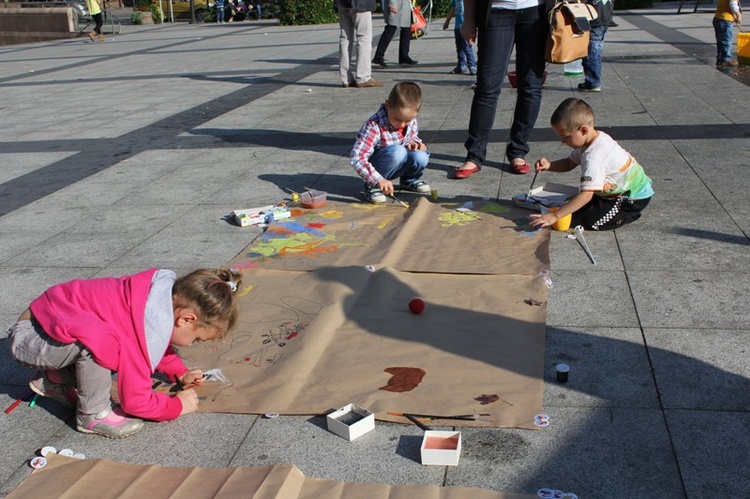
(295, 197)
(434, 194)
(562, 223)
(562, 372)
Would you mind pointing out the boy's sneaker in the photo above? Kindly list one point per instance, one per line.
(473, 70)
(587, 87)
(111, 423)
(459, 71)
(60, 392)
(374, 195)
(418, 185)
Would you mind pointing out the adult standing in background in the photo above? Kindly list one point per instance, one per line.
(498, 25)
(95, 9)
(220, 11)
(396, 15)
(355, 43)
(592, 63)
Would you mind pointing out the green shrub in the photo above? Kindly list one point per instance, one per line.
(440, 8)
(296, 12)
(136, 17)
(156, 13)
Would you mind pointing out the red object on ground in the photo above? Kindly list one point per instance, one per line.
(416, 306)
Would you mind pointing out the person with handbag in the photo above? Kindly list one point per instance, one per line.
(355, 43)
(592, 63)
(499, 25)
(397, 14)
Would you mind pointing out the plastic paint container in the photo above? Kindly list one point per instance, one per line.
(562, 223)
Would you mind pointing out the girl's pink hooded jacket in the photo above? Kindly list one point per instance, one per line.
(107, 316)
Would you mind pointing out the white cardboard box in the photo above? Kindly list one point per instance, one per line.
(351, 421)
(550, 194)
(260, 216)
(441, 447)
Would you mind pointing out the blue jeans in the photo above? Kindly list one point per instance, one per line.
(527, 29)
(464, 52)
(220, 13)
(592, 64)
(397, 161)
(724, 39)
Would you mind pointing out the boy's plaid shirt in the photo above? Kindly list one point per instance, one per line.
(377, 133)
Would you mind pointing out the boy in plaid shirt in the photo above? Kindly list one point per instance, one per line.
(387, 146)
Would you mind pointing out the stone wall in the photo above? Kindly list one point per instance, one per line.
(36, 24)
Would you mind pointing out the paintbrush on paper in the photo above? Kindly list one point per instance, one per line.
(462, 417)
(405, 205)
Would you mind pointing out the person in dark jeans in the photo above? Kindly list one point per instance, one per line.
(592, 63)
(499, 25)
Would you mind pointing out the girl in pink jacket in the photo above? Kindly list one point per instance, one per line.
(77, 333)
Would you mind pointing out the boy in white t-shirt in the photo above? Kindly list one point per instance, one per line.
(614, 188)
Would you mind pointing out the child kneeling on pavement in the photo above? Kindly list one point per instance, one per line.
(614, 189)
(77, 333)
(388, 146)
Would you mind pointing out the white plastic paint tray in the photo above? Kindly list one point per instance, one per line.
(548, 195)
(441, 447)
(351, 421)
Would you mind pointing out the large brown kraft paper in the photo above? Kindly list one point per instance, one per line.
(319, 330)
(69, 477)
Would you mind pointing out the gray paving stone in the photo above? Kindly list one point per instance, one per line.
(147, 142)
(588, 451)
(700, 369)
(609, 367)
(705, 443)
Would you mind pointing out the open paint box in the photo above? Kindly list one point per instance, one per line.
(441, 447)
(312, 199)
(351, 421)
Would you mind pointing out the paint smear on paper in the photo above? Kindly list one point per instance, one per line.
(404, 379)
(487, 399)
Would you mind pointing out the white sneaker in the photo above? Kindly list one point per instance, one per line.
(418, 185)
(374, 195)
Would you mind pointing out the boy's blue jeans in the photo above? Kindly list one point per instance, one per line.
(397, 161)
(592, 63)
(527, 29)
(724, 39)
(220, 13)
(465, 53)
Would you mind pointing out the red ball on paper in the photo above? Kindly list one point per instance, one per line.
(416, 306)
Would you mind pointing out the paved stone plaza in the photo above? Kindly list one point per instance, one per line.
(130, 154)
